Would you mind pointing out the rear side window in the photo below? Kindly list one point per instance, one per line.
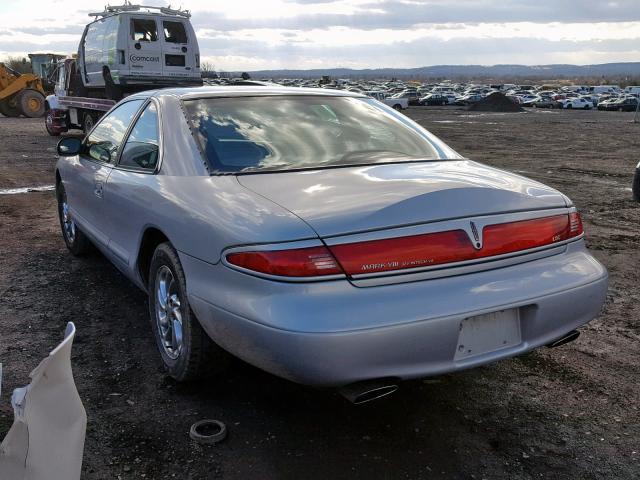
(142, 147)
(174, 32)
(105, 139)
(144, 30)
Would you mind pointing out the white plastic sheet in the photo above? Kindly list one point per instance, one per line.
(46, 440)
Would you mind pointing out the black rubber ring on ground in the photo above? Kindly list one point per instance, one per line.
(219, 435)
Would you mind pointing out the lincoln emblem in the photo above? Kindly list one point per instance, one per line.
(476, 237)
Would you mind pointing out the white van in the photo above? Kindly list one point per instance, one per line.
(132, 48)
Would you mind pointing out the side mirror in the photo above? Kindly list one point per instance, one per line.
(100, 153)
(69, 146)
(636, 184)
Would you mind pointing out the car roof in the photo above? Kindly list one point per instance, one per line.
(242, 91)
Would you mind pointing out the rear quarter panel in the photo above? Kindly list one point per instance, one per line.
(199, 215)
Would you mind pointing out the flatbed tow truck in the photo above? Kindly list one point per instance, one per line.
(65, 111)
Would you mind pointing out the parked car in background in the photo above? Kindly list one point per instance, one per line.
(594, 99)
(625, 104)
(604, 102)
(396, 103)
(577, 103)
(237, 208)
(528, 99)
(546, 102)
(469, 99)
(632, 90)
(434, 99)
(412, 96)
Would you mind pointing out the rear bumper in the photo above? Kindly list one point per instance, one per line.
(333, 333)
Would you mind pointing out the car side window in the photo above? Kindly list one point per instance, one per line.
(103, 142)
(141, 149)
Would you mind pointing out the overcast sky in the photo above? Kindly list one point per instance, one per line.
(265, 34)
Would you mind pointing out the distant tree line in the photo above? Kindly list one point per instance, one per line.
(18, 64)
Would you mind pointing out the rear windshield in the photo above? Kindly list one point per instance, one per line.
(268, 133)
(174, 32)
(144, 30)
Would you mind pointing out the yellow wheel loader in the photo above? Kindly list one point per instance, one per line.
(20, 94)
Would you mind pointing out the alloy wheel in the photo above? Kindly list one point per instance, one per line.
(168, 312)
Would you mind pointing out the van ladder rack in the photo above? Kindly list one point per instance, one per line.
(128, 7)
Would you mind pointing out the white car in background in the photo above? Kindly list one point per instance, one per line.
(579, 103)
(393, 102)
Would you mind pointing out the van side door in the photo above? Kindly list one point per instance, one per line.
(145, 49)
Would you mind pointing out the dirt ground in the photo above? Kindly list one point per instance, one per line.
(567, 413)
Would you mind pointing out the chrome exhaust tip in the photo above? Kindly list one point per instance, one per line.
(368, 390)
(569, 337)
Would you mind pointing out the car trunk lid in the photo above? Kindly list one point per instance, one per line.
(342, 201)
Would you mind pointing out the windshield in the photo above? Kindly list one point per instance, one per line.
(267, 133)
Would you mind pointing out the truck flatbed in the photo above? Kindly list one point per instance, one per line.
(100, 104)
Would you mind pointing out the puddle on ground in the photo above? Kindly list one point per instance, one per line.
(458, 121)
(15, 191)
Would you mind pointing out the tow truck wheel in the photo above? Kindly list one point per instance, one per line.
(48, 124)
(9, 108)
(31, 103)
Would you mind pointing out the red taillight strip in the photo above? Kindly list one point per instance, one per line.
(297, 262)
(310, 262)
(454, 245)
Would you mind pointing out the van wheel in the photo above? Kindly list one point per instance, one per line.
(186, 350)
(87, 123)
(111, 90)
(76, 87)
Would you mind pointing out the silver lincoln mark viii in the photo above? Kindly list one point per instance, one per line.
(322, 236)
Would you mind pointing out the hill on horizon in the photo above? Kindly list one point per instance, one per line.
(630, 69)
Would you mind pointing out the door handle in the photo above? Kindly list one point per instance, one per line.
(97, 190)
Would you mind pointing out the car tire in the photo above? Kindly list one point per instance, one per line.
(570, 107)
(76, 241)
(186, 350)
(397, 107)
